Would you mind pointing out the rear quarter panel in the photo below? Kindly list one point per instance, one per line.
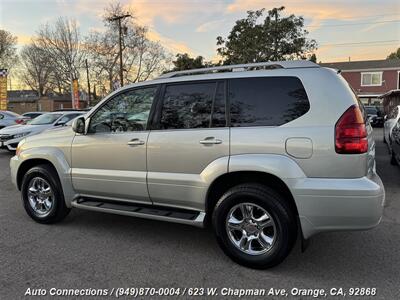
(329, 97)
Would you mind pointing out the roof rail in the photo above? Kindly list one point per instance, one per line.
(290, 64)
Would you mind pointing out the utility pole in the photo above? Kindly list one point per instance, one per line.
(88, 81)
(118, 19)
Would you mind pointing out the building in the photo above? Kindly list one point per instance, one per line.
(26, 100)
(370, 79)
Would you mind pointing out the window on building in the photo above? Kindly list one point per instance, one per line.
(371, 79)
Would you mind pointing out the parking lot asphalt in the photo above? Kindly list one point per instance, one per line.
(95, 250)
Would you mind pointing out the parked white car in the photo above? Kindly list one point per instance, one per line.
(391, 120)
(12, 135)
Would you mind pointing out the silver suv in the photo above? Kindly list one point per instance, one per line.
(261, 152)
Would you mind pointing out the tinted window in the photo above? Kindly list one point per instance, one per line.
(218, 113)
(188, 106)
(266, 101)
(128, 111)
(393, 113)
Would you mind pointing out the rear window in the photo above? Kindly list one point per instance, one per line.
(266, 101)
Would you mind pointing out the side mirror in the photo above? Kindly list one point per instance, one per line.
(385, 117)
(78, 125)
(61, 123)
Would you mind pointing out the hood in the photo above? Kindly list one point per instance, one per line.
(49, 136)
(24, 128)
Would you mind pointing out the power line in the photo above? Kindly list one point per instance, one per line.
(353, 24)
(362, 43)
(365, 17)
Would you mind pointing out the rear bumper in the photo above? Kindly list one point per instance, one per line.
(338, 204)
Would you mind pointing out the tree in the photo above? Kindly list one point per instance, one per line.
(142, 58)
(274, 38)
(394, 55)
(37, 69)
(61, 43)
(185, 62)
(8, 49)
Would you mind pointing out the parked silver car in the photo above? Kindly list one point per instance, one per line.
(8, 118)
(12, 135)
(29, 116)
(261, 154)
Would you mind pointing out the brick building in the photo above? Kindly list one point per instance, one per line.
(26, 101)
(370, 78)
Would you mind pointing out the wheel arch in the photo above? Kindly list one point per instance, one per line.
(53, 157)
(29, 164)
(228, 180)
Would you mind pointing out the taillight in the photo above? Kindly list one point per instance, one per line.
(351, 132)
(19, 121)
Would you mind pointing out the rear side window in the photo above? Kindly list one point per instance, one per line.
(193, 105)
(266, 101)
(393, 113)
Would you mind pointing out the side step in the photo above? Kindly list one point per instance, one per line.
(169, 214)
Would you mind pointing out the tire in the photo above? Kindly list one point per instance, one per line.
(42, 177)
(393, 160)
(283, 228)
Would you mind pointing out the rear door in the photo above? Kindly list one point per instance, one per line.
(190, 133)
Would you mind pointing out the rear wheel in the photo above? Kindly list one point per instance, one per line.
(42, 195)
(254, 226)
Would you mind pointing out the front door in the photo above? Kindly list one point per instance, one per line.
(110, 160)
(190, 135)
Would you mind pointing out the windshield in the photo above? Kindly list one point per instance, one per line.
(45, 119)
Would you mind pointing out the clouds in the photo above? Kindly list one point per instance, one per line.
(192, 25)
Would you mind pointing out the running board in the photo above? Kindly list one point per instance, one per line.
(169, 214)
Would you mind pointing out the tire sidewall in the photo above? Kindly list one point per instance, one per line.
(280, 217)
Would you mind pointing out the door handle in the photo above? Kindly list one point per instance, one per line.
(210, 141)
(135, 142)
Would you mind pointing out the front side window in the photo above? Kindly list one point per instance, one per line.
(189, 105)
(266, 101)
(371, 79)
(45, 119)
(128, 111)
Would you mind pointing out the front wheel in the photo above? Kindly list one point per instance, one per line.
(254, 226)
(42, 195)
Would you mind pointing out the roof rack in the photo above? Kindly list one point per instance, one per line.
(290, 64)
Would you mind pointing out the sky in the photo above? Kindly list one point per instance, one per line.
(355, 29)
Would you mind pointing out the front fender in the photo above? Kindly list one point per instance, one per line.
(57, 158)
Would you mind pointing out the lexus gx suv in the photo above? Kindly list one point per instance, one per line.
(261, 152)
